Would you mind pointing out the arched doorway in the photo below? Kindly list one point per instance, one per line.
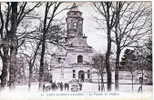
(81, 75)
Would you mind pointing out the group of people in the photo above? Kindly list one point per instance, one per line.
(55, 86)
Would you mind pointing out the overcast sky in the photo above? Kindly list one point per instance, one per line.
(96, 37)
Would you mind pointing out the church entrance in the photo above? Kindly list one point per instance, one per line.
(81, 76)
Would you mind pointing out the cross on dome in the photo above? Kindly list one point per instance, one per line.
(74, 7)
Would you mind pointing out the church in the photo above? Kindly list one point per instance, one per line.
(75, 61)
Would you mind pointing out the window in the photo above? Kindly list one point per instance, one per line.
(73, 73)
(88, 74)
(59, 60)
(80, 59)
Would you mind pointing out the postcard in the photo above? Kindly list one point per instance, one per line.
(76, 50)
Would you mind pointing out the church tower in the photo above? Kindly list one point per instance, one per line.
(77, 56)
(74, 22)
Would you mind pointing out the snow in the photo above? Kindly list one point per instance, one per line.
(89, 89)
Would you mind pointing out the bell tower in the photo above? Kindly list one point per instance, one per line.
(74, 22)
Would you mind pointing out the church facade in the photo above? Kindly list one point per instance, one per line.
(76, 60)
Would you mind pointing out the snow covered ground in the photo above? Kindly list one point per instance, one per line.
(124, 85)
(90, 90)
(87, 87)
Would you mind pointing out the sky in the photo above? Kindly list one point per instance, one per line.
(96, 37)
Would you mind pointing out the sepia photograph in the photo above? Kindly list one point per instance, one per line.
(76, 48)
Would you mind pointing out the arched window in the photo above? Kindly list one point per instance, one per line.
(80, 59)
(88, 74)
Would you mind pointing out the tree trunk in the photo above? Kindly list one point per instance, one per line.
(13, 49)
(41, 70)
(107, 61)
(132, 82)
(117, 68)
(102, 82)
(12, 69)
(4, 70)
(98, 73)
(30, 77)
(142, 78)
(43, 42)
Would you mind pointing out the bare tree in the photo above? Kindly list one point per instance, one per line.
(11, 17)
(34, 39)
(99, 64)
(46, 25)
(31, 61)
(129, 60)
(145, 63)
(130, 28)
(108, 11)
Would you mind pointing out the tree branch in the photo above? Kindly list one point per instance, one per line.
(2, 22)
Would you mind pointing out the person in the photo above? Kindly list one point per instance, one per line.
(50, 81)
(58, 84)
(43, 87)
(141, 82)
(80, 85)
(99, 88)
(54, 86)
(66, 85)
(61, 86)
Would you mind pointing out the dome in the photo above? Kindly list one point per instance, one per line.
(74, 7)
